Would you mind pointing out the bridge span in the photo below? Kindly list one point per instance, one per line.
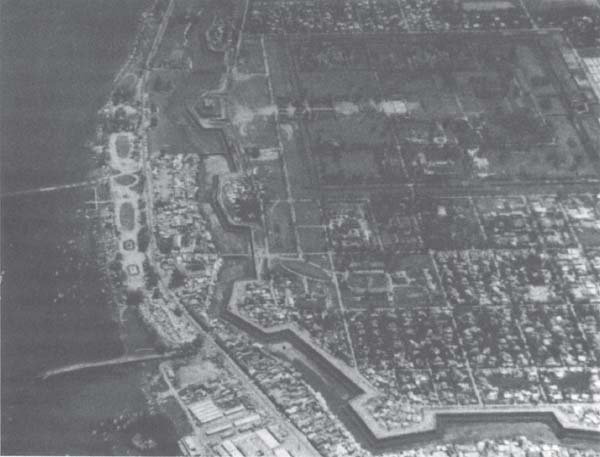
(124, 360)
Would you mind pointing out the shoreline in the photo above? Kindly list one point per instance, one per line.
(60, 303)
(119, 309)
(435, 419)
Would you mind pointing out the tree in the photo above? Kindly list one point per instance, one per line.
(143, 239)
(177, 279)
(134, 297)
(116, 265)
(165, 245)
(150, 275)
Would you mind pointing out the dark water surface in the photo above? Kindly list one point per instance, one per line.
(58, 60)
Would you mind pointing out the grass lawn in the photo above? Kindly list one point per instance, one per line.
(280, 69)
(449, 223)
(319, 259)
(298, 165)
(307, 212)
(305, 269)
(250, 58)
(123, 146)
(330, 54)
(281, 231)
(270, 175)
(312, 239)
(125, 180)
(340, 85)
(410, 297)
(127, 216)
(251, 92)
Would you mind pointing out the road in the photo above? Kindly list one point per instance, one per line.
(159, 34)
(162, 283)
(175, 394)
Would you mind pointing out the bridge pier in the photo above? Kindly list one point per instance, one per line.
(124, 360)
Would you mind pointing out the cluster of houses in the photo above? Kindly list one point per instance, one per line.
(291, 393)
(513, 447)
(511, 386)
(571, 384)
(182, 231)
(506, 221)
(349, 228)
(171, 328)
(553, 336)
(522, 327)
(241, 196)
(588, 415)
(179, 223)
(391, 413)
(355, 16)
(285, 302)
(491, 338)
(471, 277)
(186, 248)
(226, 419)
(259, 305)
(501, 277)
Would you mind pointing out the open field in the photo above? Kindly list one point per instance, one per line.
(189, 90)
(250, 58)
(322, 55)
(281, 230)
(312, 239)
(271, 176)
(355, 149)
(251, 92)
(301, 179)
(280, 68)
(306, 269)
(251, 112)
(339, 85)
(307, 212)
(322, 260)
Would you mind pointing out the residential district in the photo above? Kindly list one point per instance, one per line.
(363, 227)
